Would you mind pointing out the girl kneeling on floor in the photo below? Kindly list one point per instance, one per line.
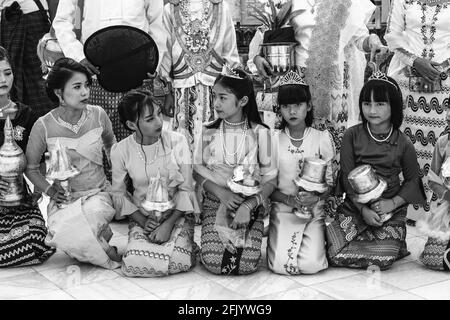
(297, 244)
(360, 236)
(232, 225)
(77, 224)
(162, 207)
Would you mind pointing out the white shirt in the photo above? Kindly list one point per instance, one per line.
(98, 14)
(404, 32)
(27, 6)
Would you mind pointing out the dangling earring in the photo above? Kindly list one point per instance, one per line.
(62, 103)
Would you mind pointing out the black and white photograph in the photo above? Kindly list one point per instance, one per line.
(224, 156)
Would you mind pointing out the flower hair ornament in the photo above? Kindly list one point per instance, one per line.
(229, 72)
(292, 77)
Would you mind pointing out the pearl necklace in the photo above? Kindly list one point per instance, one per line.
(142, 156)
(380, 140)
(239, 149)
(234, 124)
(288, 133)
(7, 106)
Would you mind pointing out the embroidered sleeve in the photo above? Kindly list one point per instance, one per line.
(185, 198)
(406, 57)
(108, 134)
(36, 146)
(121, 198)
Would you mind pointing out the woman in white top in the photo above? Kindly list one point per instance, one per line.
(419, 34)
(80, 227)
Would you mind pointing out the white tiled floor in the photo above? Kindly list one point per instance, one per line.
(63, 278)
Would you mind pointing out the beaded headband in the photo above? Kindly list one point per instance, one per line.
(292, 77)
(227, 71)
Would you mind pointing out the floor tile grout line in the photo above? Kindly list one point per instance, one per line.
(426, 285)
(329, 280)
(337, 298)
(407, 290)
(105, 280)
(223, 287)
(303, 287)
(153, 293)
(81, 284)
(38, 294)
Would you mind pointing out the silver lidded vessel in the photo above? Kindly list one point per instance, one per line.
(12, 165)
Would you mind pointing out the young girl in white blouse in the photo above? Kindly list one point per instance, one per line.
(160, 243)
(296, 244)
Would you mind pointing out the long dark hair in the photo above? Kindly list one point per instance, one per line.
(240, 88)
(384, 91)
(294, 94)
(60, 74)
(132, 107)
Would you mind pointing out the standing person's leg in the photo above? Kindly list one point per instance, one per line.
(424, 122)
(193, 107)
(34, 93)
(12, 38)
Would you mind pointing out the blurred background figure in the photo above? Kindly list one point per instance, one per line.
(23, 23)
(419, 34)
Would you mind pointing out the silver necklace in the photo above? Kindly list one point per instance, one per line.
(234, 124)
(288, 133)
(380, 140)
(74, 127)
(240, 147)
